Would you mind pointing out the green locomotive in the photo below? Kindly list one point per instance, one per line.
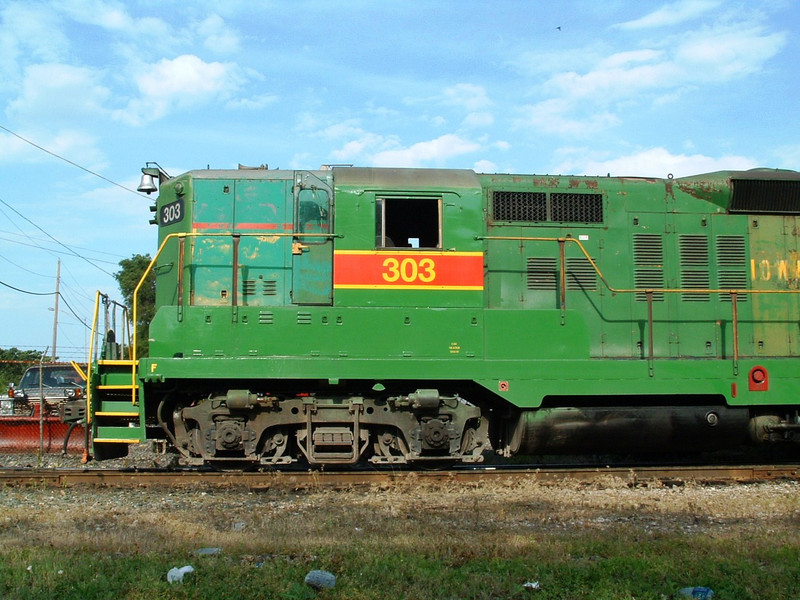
(425, 315)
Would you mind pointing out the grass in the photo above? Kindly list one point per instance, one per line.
(410, 542)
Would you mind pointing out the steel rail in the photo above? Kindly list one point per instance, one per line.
(262, 481)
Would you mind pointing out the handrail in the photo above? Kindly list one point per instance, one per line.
(734, 292)
(614, 290)
(90, 361)
(183, 236)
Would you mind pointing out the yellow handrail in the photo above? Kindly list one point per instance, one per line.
(134, 353)
(91, 358)
(635, 290)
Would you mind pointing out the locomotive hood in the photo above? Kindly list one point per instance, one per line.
(758, 191)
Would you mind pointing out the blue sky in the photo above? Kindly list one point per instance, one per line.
(579, 87)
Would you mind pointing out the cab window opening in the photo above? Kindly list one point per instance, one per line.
(408, 223)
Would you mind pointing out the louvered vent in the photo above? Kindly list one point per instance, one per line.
(695, 280)
(694, 266)
(648, 250)
(581, 275)
(765, 196)
(541, 273)
(265, 317)
(576, 208)
(519, 206)
(648, 259)
(648, 279)
(270, 287)
(732, 265)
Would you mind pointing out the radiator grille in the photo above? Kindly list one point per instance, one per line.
(766, 196)
(576, 208)
(537, 207)
(519, 206)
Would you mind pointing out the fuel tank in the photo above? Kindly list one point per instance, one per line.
(640, 430)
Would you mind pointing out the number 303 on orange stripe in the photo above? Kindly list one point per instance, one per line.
(409, 270)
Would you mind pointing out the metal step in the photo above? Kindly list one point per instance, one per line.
(119, 435)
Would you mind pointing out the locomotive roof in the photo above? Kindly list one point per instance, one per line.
(396, 177)
(357, 176)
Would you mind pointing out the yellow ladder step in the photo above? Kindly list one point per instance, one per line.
(115, 441)
(117, 387)
(106, 413)
(117, 362)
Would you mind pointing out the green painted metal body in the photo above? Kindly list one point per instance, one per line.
(660, 234)
(586, 287)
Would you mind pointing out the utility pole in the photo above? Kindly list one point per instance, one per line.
(55, 315)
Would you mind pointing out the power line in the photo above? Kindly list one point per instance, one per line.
(64, 300)
(16, 289)
(35, 239)
(55, 252)
(66, 160)
(24, 269)
(54, 239)
(60, 295)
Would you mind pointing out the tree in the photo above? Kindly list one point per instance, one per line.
(13, 363)
(128, 278)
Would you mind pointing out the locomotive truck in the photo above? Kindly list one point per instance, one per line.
(431, 316)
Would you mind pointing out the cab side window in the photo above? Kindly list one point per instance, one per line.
(408, 222)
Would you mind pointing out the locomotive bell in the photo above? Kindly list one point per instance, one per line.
(147, 184)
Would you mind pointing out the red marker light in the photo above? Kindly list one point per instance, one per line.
(758, 379)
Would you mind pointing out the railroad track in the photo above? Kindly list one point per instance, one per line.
(260, 481)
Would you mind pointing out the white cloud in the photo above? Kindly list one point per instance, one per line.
(77, 146)
(105, 14)
(422, 153)
(672, 14)
(218, 36)
(34, 28)
(577, 103)
(467, 96)
(653, 162)
(556, 116)
(357, 149)
(485, 166)
(252, 103)
(54, 92)
(183, 82)
(30, 33)
(478, 119)
(726, 52)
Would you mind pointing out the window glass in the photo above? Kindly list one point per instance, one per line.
(312, 212)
